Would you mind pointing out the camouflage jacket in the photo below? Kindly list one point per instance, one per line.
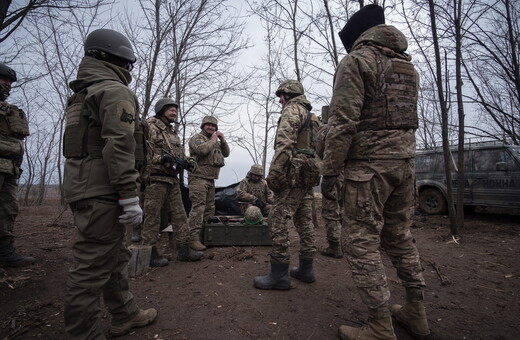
(249, 191)
(209, 155)
(292, 118)
(162, 136)
(113, 107)
(13, 129)
(359, 83)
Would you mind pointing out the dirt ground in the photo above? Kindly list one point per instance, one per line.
(473, 287)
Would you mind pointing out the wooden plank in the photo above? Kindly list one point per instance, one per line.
(139, 263)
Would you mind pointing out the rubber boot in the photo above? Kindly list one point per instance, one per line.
(185, 253)
(333, 250)
(156, 260)
(277, 279)
(141, 319)
(412, 316)
(197, 245)
(304, 271)
(10, 258)
(376, 329)
(136, 233)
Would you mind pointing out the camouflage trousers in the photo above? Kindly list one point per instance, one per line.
(379, 197)
(294, 204)
(8, 207)
(331, 213)
(202, 197)
(100, 268)
(167, 195)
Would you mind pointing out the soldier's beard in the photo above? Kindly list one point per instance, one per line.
(5, 90)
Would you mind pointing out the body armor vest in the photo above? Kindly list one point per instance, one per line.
(82, 138)
(14, 122)
(305, 144)
(394, 106)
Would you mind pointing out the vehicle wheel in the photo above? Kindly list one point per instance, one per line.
(431, 201)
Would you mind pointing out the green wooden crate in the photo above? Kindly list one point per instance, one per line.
(236, 234)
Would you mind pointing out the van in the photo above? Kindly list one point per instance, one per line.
(491, 177)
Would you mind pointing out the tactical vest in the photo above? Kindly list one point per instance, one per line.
(306, 141)
(394, 106)
(82, 139)
(13, 122)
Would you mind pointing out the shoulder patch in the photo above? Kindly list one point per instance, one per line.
(126, 112)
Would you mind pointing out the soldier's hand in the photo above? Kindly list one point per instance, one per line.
(259, 203)
(192, 165)
(220, 135)
(133, 214)
(167, 158)
(328, 187)
(277, 182)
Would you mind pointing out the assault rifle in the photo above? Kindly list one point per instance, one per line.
(177, 162)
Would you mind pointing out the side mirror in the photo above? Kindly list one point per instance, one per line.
(501, 166)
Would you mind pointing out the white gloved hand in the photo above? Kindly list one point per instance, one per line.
(133, 214)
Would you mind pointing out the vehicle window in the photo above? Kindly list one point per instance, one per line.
(485, 160)
(467, 159)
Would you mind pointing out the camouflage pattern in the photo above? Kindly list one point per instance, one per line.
(379, 173)
(295, 203)
(92, 187)
(202, 197)
(290, 87)
(8, 207)
(163, 188)
(331, 212)
(249, 191)
(209, 155)
(253, 215)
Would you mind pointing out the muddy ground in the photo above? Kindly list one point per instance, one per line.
(473, 287)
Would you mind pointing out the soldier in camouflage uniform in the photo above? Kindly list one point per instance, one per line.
(253, 191)
(372, 137)
(13, 129)
(208, 148)
(101, 147)
(293, 172)
(165, 160)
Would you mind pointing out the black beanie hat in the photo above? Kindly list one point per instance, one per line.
(366, 17)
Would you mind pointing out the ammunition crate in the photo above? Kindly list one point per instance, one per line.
(236, 234)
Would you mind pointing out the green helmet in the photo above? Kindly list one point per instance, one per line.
(209, 120)
(111, 42)
(257, 169)
(161, 103)
(253, 215)
(6, 71)
(290, 87)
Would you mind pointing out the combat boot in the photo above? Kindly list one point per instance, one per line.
(304, 271)
(185, 253)
(197, 245)
(333, 250)
(141, 319)
(278, 278)
(376, 329)
(156, 260)
(10, 258)
(412, 316)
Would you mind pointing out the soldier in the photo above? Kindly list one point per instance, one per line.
(13, 130)
(293, 172)
(253, 191)
(372, 137)
(165, 160)
(100, 185)
(209, 148)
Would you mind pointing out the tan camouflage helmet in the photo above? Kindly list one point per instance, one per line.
(209, 120)
(257, 169)
(253, 215)
(161, 103)
(290, 87)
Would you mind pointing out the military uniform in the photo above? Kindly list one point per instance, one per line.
(372, 138)
(249, 191)
(94, 180)
(209, 155)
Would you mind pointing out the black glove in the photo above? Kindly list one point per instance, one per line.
(167, 158)
(328, 187)
(259, 203)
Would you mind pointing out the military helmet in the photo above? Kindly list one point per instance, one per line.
(253, 215)
(290, 87)
(209, 120)
(161, 103)
(6, 71)
(257, 169)
(111, 42)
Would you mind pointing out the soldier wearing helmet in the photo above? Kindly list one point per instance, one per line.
(162, 189)
(253, 191)
(13, 130)
(208, 148)
(100, 185)
(371, 139)
(293, 172)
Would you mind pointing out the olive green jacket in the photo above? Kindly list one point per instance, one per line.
(209, 155)
(113, 107)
